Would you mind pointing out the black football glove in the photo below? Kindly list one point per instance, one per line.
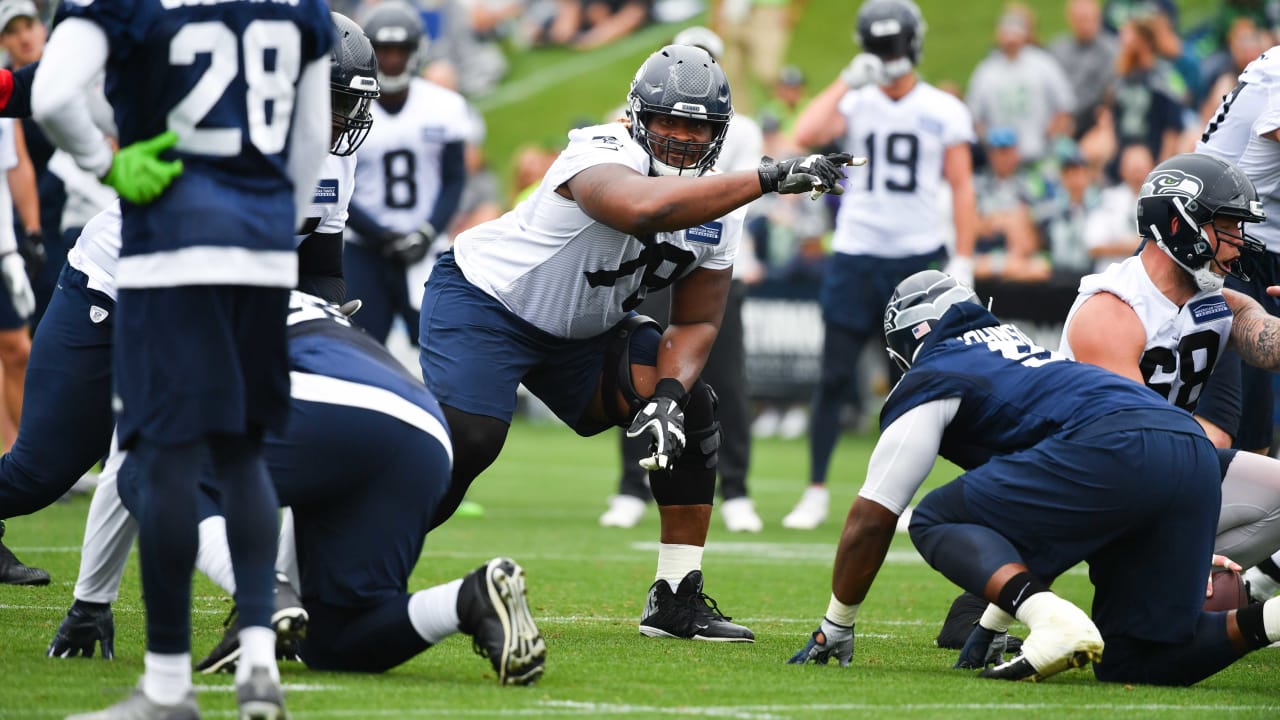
(31, 248)
(84, 625)
(663, 420)
(410, 248)
(819, 173)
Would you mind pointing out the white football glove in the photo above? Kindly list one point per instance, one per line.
(14, 271)
(864, 69)
(960, 267)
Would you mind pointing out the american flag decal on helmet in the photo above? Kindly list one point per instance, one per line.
(920, 330)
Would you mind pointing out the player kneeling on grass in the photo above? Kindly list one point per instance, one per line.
(363, 463)
(1095, 467)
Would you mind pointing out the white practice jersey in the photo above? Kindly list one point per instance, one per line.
(550, 263)
(1235, 133)
(97, 250)
(890, 207)
(399, 169)
(1183, 343)
(8, 161)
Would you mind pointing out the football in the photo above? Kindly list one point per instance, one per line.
(1229, 592)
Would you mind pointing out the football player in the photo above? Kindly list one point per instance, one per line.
(354, 407)
(70, 380)
(916, 137)
(1162, 318)
(410, 175)
(1094, 467)
(544, 296)
(1245, 130)
(235, 96)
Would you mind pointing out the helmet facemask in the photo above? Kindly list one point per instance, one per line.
(351, 117)
(671, 156)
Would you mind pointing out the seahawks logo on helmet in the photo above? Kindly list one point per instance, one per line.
(1173, 182)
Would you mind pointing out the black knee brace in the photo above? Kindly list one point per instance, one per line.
(692, 480)
(616, 375)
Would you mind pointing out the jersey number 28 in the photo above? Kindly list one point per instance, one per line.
(270, 94)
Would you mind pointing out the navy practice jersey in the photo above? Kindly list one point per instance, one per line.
(331, 361)
(223, 75)
(1013, 393)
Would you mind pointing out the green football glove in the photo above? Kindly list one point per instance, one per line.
(138, 174)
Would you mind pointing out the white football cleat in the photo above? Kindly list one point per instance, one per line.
(811, 511)
(1062, 637)
(740, 515)
(625, 511)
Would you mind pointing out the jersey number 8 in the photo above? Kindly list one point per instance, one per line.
(270, 94)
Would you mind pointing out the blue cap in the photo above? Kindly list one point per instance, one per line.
(1002, 137)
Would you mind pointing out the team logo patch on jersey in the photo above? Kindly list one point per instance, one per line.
(97, 314)
(706, 233)
(607, 142)
(1210, 308)
(326, 191)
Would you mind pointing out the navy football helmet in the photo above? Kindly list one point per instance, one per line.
(684, 81)
(915, 307)
(353, 84)
(1185, 193)
(892, 30)
(396, 23)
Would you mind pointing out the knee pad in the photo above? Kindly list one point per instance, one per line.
(701, 428)
(618, 358)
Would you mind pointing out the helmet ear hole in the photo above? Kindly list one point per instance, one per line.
(1173, 225)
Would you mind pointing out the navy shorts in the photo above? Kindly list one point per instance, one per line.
(9, 317)
(363, 498)
(855, 288)
(475, 353)
(200, 359)
(1140, 505)
(66, 412)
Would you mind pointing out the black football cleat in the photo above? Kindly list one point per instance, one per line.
(494, 611)
(688, 613)
(290, 623)
(14, 572)
(85, 625)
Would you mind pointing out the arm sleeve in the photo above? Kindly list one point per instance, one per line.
(453, 178)
(905, 453)
(309, 135)
(370, 231)
(76, 53)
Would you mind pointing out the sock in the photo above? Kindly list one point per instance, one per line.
(675, 561)
(434, 612)
(1261, 586)
(213, 558)
(287, 552)
(1271, 619)
(167, 679)
(993, 618)
(841, 613)
(1018, 590)
(1270, 567)
(257, 649)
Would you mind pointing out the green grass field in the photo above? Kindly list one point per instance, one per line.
(587, 587)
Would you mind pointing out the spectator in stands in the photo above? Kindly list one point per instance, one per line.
(756, 33)
(1245, 42)
(1007, 243)
(1088, 57)
(1147, 103)
(1020, 86)
(1065, 221)
(475, 58)
(789, 93)
(1110, 230)
(587, 24)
